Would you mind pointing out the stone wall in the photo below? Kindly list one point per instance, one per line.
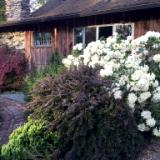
(15, 10)
(14, 40)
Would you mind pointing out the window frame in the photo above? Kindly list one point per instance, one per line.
(83, 35)
(41, 46)
(132, 24)
(95, 26)
(103, 25)
(108, 25)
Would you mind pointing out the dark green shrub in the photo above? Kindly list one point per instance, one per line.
(74, 117)
(91, 124)
(31, 142)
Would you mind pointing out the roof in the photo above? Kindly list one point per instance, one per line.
(60, 8)
(63, 9)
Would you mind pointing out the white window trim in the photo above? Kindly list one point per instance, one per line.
(84, 36)
(97, 33)
(104, 25)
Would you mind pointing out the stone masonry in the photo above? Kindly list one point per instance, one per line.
(14, 40)
(15, 10)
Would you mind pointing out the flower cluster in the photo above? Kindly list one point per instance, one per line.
(71, 61)
(149, 121)
(132, 66)
(74, 59)
(78, 47)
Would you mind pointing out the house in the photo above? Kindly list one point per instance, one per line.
(60, 24)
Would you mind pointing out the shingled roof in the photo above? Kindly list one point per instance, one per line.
(62, 9)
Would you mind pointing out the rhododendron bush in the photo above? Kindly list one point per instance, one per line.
(12, 69)
(134, 68)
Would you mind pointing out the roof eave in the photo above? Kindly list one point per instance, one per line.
(24, 24)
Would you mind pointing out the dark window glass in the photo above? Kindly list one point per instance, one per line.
(124, 30)
(78, 35)
(90, 35)
(105, 32)
(42, 38)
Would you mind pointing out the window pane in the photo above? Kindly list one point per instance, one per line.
(78, 35)
(42, 38)
(90, 35)
(105, 32)
(124, 30)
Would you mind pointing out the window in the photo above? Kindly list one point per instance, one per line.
(86, 35)
(124, 30)
(105, 32)
(78, 35)
(42, 39)
(90, 34)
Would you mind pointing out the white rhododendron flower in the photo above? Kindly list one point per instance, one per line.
(132, 66)
(144, 96)
(136, 75)
(155, 84)
(118, 94)
(156, 95)
(132, 98)
(67, 63)
(71, 61)
(133, 61)
(78, 47)
(108, 71)
(153, 34)
(156, 132)
(123, 80)
(151, 122)
(146, 114)
(142, 85)
(70, 57)
(156, 58)
(103, 73)
(142, 127)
